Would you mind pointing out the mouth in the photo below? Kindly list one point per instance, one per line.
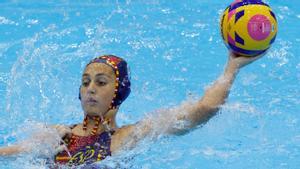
(91, 101)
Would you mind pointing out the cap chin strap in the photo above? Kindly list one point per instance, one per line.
(98, 120)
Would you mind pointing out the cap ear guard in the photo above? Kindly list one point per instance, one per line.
(124, 84)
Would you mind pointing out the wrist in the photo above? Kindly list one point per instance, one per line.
(232, 67)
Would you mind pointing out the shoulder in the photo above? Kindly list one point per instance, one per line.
(124, 131)
(122, 138)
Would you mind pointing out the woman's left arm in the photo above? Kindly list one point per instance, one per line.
(214, 97)
(183, 118)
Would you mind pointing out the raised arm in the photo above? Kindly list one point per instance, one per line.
(188, 115)
(202, 110)
(215, 95)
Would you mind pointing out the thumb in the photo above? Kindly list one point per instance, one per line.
(252, 59)
(60, 148)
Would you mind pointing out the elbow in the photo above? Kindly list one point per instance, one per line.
(204, 113)
(211, 105)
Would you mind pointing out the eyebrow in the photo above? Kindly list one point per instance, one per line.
(97, 75)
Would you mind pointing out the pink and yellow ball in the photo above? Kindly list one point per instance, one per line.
(248, 27)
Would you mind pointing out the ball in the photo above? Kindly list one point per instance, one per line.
(248, 27)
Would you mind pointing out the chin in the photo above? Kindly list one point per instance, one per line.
(92, 111)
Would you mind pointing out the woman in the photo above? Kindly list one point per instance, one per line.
(105, 85)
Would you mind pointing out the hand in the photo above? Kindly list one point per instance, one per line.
(61, 148)
(241, 61)
(63, 130)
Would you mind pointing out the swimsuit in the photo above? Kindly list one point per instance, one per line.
(85, 149)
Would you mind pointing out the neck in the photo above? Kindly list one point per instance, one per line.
(96, 125)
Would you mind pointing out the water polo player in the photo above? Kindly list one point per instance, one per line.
(105, 85)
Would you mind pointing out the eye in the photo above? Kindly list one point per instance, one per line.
(101, 82)
(85, 82)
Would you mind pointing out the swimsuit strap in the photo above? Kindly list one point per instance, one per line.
(102, 145)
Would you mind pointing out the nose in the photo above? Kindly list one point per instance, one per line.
(91, 88)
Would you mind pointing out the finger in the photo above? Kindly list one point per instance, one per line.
(54, 126)
(64, 128)
(257, 57)
(232, 55)
(262, 54)
(61, 128)
(235, 55)
(65, 133)
(58, 127)
(68, 131)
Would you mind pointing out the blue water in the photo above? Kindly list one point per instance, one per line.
(175, 51)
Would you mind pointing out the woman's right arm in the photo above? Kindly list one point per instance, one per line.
(12, 150)
(19, 148)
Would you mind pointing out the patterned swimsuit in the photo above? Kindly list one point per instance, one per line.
(85, 149)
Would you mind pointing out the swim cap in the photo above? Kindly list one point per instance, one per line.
(122, 85)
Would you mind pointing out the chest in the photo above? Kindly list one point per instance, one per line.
(85, 149)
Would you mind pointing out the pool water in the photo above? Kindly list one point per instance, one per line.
(174, 50)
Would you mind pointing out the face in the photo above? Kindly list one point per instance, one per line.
(97, 89)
